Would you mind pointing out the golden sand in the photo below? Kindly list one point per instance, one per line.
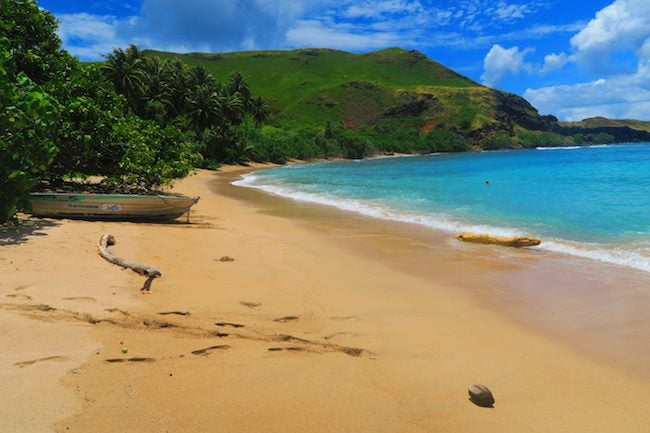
(312, 328)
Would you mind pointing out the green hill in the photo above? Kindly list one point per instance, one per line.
(395, 96)
(391, 91)
(292, 78)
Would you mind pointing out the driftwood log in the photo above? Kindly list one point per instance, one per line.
(516, 242)
(146, 270)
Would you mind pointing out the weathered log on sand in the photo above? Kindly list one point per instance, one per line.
(480, 238)
(147, 270)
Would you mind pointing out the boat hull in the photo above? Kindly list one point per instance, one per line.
(110, 206)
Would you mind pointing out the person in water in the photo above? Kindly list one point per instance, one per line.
(487, 182)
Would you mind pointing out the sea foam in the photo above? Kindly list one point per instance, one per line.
(558, 147)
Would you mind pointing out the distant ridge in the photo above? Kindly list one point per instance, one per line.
(602, 122)
(395, 92)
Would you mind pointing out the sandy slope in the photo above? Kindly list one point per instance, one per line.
(297, 334)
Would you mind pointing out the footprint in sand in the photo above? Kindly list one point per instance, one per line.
(352, 351)
(286, 319)
(20, 288)
(117, 310)
(289, 349)
(176, 313)
(220, 334)
(207, 350)
(287, 337)
(34, 361)
(252, 305)
(19, 296)
(80, 298)
(158, 325)
(234, 325)
(134, 359)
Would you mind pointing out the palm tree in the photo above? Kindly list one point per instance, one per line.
(205, 108)
(133, 53)
(154, 100)
(123, 69)
(232, 107)
(179, 84)
(202, 77)
(259, 110)
(239, 152)
(238, 85)
(156, 83)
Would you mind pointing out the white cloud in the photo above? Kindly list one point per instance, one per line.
(530, 33)
(481, 14)
(313, 33)
(386, 7)
(622, 26)
(87, 26)
(510, 12)
(98, 34)
(500, 62)
(619, 97)
(554, 62)
(620, 29)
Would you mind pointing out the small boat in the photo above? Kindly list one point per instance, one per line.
(111, 206)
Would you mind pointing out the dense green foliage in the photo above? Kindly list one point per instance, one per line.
(62, 118)
(215, 118)
(35, 47)
(26, 121)
(29, 59)
(101, 133)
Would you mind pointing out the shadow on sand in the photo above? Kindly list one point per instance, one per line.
(14, 233)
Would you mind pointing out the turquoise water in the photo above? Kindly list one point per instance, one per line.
(590, 201)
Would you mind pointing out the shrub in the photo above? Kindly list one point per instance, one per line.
(443, 140)
(151, 156)
(501, 141)
(26, 122)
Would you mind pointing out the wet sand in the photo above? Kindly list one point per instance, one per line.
(323, 322)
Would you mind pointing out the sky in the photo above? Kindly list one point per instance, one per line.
(570, 58)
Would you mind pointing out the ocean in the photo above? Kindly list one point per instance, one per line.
(591, 201)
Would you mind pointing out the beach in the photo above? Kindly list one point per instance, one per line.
(324, 321)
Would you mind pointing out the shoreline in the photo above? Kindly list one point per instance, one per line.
(308, 329)
(565, 297)
(619, 253)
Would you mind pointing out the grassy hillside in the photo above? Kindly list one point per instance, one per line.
(391, 97)
(288, 77)
(383, 90)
